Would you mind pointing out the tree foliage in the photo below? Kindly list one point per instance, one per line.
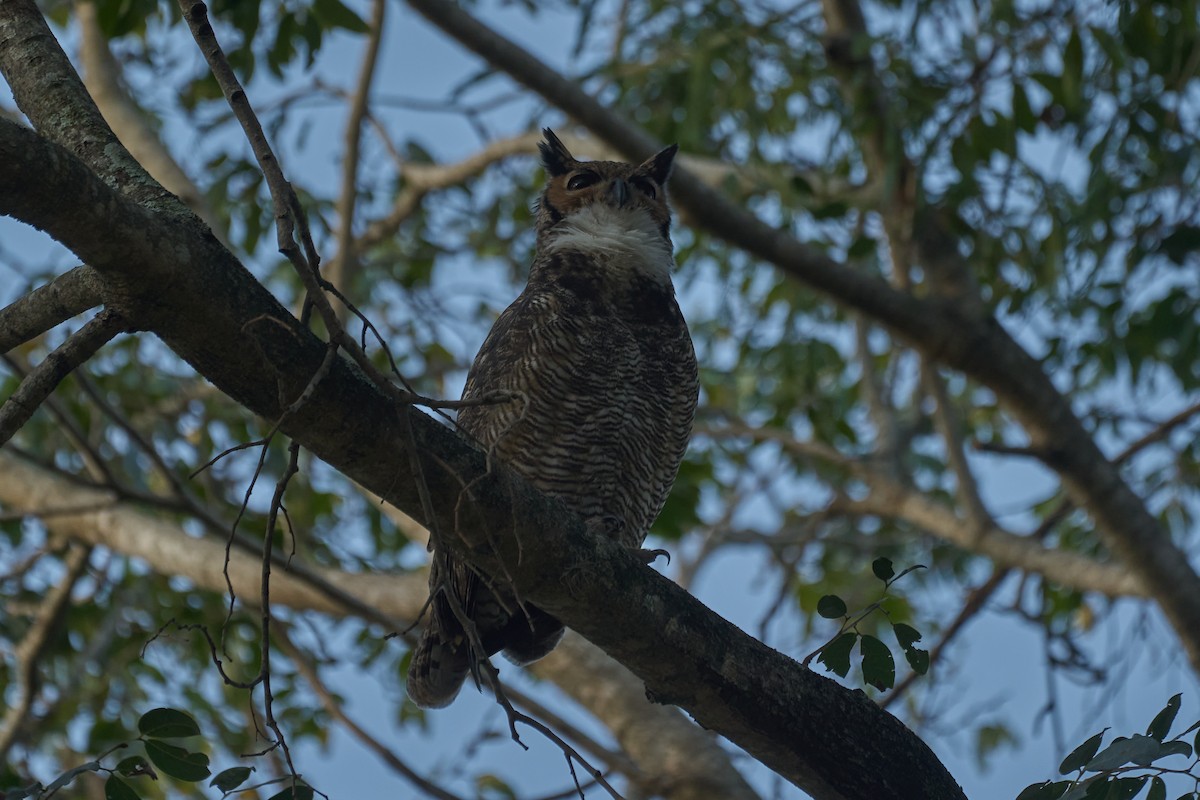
(939, 262)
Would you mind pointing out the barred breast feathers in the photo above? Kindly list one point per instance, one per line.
(625, 238)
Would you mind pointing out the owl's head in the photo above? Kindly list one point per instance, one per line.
(636, 192)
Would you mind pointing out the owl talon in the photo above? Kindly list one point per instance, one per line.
(650, 556)
(607, 526)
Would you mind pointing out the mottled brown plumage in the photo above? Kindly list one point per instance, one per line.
(601, 357)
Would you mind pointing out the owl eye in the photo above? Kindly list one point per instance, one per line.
(645, 186)
(582, 180)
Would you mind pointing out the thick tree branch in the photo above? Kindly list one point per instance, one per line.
(659, 741)
(685, 761)
(53, 98)
(36, 176)
(947, 331)
(33, 314)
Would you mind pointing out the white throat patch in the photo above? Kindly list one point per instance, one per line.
(624, 238)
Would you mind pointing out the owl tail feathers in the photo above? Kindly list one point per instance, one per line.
(531, 635)
(439, 666)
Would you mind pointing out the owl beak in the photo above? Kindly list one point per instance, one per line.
(619, 193)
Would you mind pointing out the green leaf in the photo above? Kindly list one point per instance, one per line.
(177, 762)
(878, 665)
(918, 659)
(106, 732)
(1158, 789)
(906, 634)
(882, 567)
(491, 787)
(862, 247)
(1160, 726)
(1137, 749)
(834, 209)
(1174, 749)
(1080, 756)
(231, 778)
(298, 792)
(133, 766)
(335, 14)
(117, 789)
(1180, 243)
(1125, 788)
(1072, 77)
(167, 723)
(1044, 791)
(989, 739)
(1023, 116)
(831, 606)
(836, 655)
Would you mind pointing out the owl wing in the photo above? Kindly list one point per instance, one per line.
(504, 363)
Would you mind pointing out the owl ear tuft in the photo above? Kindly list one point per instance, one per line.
(659, 165)
(556, 158)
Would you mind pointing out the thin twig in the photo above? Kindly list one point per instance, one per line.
(1160, 432)
(41, 381)
(293, 467)
(949, 426)
(96, 464)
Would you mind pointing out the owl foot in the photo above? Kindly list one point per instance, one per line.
(608, 526)
(650, 556)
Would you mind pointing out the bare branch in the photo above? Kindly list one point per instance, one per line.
(422, 179)
(97, 517)
(31, 315)
(881, 148)
(38, 384)
(880, 411)
(891, 499)
(344, 262)
(945, 419)
(33, 645)
(1160, 431)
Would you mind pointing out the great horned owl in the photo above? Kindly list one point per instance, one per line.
(600, 358)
